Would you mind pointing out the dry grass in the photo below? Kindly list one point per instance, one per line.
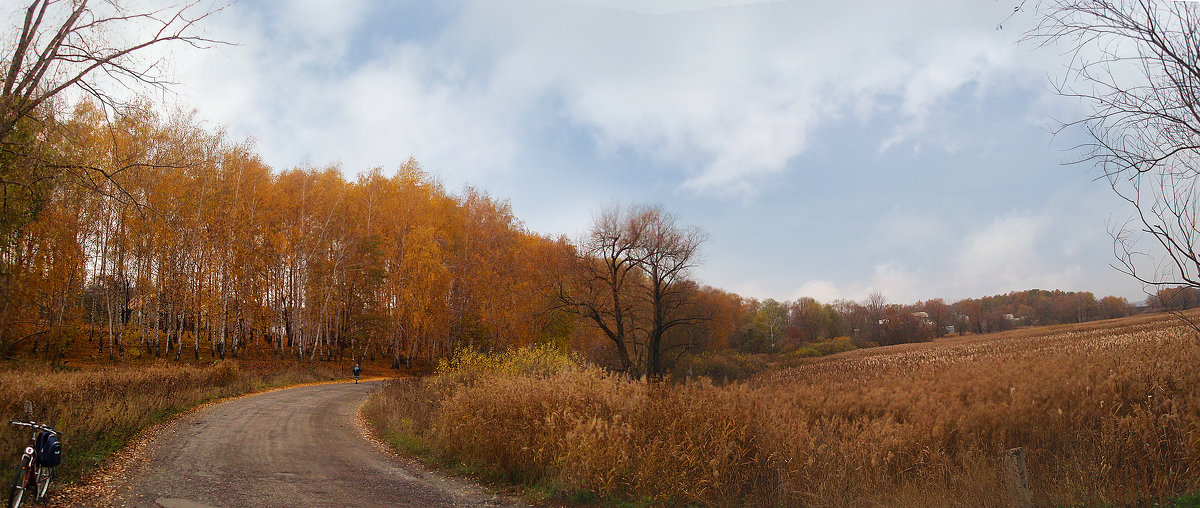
(1106, 414)
(100, 409)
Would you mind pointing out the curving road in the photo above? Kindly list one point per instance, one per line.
(287, 448)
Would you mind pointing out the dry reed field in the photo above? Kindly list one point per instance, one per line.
(100, 409)
(1108, 414)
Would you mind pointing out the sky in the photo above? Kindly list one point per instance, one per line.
(829, 149)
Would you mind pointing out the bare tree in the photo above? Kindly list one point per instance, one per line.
(1136, 63)
(598, 284)
(667, 253)
(96, 48)
(875, 305)
(65, 43)
(629, 278)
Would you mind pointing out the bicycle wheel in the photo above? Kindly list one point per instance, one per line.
(20, 480)
(44, 474)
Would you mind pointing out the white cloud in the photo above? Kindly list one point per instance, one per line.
(891, 279)
(317, 22)
(1006, 246)
(727, 92)
(724, 96)
(733, 95)
(396, 108)
(822, 291)
(723, 93)
(1010, 252)
(294, 82)
(666, 6)
(1017, 252)
(897, 282)
(910, 231)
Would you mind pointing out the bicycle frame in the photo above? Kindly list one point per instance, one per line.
(31, 474)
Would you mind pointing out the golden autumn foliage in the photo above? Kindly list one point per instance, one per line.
(192, 245)
(1108, 414)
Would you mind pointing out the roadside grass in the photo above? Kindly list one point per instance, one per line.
(1191, 501)
(1108, 415)
(99, 409)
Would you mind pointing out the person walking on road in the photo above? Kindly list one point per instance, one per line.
(357, 372)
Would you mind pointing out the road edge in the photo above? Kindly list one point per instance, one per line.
(496, 494)
(102, 486)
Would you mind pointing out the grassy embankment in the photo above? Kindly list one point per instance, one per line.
(1108, 414)
(99, 409)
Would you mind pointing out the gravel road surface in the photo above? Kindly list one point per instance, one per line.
(287, 448)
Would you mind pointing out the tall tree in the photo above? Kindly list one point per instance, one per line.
(94, 48)
(598, 282)
(769, 322)
(630, 279)
(876, 307)
(666, 254)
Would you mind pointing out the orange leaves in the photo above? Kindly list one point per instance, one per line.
(212, 244)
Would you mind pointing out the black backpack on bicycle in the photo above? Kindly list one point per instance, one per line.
(49, 450)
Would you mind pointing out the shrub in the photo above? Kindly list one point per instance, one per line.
(805, 352)
(404, 411)
(834, 345)
(468, 365)
(722, 367)
(594, 432)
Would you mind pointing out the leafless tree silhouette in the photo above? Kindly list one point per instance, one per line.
(73, 43)
(100, 48)
(629, 277)
(1136, 64)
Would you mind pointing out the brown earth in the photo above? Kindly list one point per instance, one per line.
(301, 446)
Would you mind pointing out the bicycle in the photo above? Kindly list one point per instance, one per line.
(34, 470)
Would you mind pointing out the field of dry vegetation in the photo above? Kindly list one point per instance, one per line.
(1108, 414)
(100, 409)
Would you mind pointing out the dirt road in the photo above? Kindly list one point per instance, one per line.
(287, 448)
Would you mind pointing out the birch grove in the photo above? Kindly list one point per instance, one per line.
(196, 248)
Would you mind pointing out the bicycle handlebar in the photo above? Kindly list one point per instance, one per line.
(36, 426)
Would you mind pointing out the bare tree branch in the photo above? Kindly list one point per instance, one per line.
(1136, 63)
